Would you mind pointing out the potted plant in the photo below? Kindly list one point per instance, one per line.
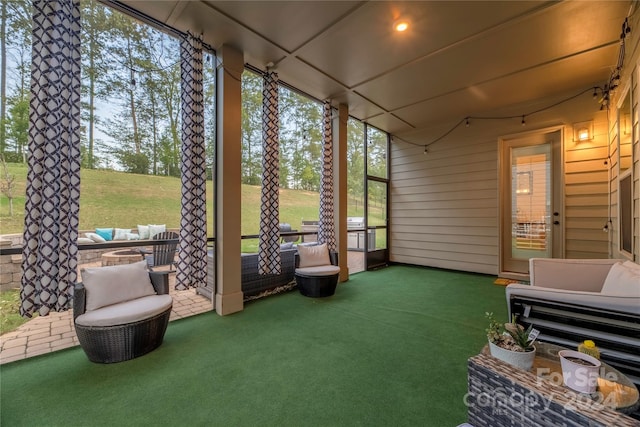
(511, 343)
(580, 369)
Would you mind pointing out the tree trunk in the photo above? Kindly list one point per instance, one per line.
(3, 76)
(92, 87)
(136, 138)
(155, 131)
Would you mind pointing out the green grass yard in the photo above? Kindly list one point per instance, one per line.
(123, 200)
(117, 199)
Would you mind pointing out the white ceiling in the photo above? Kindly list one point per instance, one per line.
(458, 58)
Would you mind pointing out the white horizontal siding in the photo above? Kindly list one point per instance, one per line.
(444, 204)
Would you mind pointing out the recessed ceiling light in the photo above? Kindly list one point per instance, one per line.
(401, 25)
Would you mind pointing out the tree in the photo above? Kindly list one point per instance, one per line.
(301, 140)
(355, 164)
(251, 129)
(3, 72)
(95, 22)
(18, 129)
(209, 101)
(15, 44)
(7, 184)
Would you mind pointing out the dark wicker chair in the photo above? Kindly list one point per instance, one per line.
(120, 342)
(286, 228)
(319, 280)
(164, 254)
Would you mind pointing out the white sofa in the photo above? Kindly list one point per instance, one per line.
(571, 300)
(575, 281)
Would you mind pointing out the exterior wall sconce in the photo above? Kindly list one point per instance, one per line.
(583, 131)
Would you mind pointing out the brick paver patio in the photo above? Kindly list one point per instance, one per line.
(56, 332)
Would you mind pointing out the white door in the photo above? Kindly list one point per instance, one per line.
(530, 189)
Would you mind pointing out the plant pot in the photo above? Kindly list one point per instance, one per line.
(520, 359)
(579, 371)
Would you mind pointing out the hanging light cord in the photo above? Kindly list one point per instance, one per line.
(467, 120)
(610, 86)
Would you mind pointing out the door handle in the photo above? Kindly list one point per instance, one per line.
(556, 222)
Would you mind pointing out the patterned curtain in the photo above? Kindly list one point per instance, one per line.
(326, 225)
(192, 253)
(50, 251)
(269, 245)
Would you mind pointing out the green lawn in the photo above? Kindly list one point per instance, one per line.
(123, 200)
(10, 317)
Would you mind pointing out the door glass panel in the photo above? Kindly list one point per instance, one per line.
(377, 214)
(531, 202)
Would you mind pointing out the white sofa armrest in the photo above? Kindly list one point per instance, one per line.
(571, 274)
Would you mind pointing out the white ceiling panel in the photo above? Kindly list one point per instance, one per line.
(494, 56)
(289, 24)
(364, 45)
(457, 58)
(573, 74)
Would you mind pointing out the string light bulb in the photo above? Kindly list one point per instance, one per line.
(425, 150)
(523, 122)
(467, 122)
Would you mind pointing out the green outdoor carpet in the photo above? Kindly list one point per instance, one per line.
(389, 349)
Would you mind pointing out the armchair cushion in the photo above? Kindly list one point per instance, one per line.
(320, 270)
(114, 284)
(623, 280)
(312, 256)
(126, 312)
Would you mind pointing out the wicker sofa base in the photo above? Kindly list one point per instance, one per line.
(317, 286)
(112, 344)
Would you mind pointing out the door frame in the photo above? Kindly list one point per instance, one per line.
(558, 199)
(376, 258)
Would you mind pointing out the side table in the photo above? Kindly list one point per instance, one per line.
(501, 395)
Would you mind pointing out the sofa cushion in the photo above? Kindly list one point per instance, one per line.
(84, 240)
(311, 256)
(126, 312)
(156, 229)
(121, 233)
(105, 233)
(321, 270)
(143, 232)
(572, 274)
(95, 237)
(118, 283)
(622, 280)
